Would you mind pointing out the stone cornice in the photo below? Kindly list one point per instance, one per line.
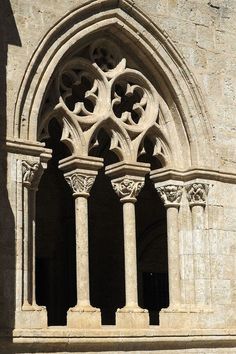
(32, 148)
(205, 174)
(26, 147)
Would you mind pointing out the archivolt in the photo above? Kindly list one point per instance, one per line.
(183, 110)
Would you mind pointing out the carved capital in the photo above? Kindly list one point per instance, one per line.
(32, 173)
(79, 183)
(127, 189)
(170, 194)
(197, 193)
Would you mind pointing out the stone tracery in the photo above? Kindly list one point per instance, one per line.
(98, 88)
(103, 88)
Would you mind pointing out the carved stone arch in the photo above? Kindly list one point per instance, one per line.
(158, 57)
(120, 140)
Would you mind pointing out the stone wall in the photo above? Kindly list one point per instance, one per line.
(204, 33)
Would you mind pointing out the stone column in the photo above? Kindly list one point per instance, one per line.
(197, 195)
(32, 173)
(127, 188)
(83, 315)
(171, 196)
(30, 315)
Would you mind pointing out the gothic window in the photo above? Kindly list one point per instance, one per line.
(102, 258)
(109, 114)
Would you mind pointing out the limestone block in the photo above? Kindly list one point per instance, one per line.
(188, 291)
(222, 266)
(200, 241)
(131, 319)
(31, 319)
(177, 319)
(205, 37)
(213, 236)
(203, 291)
(233, 287)
(230, 220)
(225, 41)
(221, 291)
(187, 267)
(83, 319)
(202, 266)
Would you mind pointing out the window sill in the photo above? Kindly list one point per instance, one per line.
(112, 339)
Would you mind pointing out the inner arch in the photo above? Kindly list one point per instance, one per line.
(157, 55)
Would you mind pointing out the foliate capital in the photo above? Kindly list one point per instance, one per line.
(197, 193)
(170, 194)
(79, 183)
(127, 189)
(31, 173)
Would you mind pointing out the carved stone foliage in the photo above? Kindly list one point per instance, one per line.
(95, 89)
(197, 193)
(32, 172)
(170, 194)
(127, 188)
(80, 184)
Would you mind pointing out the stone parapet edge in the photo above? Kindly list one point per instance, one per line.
(116, 340)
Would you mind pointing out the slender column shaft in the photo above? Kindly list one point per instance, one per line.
(26, 248)
(198, 217)
(31, 173)
(171, 196)
(82, 257)
(80, 179)
(131, 288)
(199, 249)
(81, 185)
(173, 255)
(197, 196)
(127, 187)
(33, 252)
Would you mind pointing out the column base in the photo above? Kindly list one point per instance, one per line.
(84, 317)
(31, 317)
(130, 317)
(183, 316)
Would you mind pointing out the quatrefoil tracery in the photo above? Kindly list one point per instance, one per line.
(102, 91)
(129, 102)
(79, 92)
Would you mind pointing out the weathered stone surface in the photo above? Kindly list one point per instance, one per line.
(174, 61)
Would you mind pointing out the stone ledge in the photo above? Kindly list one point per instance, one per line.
(112, 331)
(60, 340)
(204, 174)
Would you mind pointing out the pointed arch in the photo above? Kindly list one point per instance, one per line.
(157, 54)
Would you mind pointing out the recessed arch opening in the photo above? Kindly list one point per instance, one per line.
(55, 236)
(152, 255)
(106, 244)
(156, 51)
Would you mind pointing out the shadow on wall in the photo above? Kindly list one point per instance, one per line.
(8, 35)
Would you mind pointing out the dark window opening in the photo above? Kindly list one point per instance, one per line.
(55, 237)
(152, 253)
(155, 294)
(106, 245)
